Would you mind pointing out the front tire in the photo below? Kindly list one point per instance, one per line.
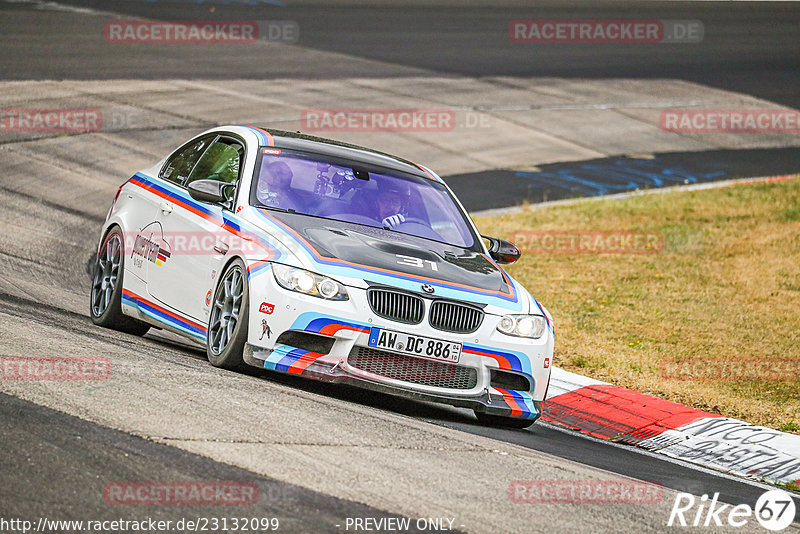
(503, 421)
(227, 325)
(105, 300)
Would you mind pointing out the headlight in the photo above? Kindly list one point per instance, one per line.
(532, 326)
(309, 283)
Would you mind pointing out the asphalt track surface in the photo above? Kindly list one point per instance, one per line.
(41, 445)
(607, 176)
(749, 47)
(168, 415)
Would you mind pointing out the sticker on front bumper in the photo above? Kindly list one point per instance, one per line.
(420, 346)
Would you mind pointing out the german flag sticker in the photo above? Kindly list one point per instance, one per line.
(162, 256)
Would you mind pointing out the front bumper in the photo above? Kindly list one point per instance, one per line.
(345, 326)
(330, 368)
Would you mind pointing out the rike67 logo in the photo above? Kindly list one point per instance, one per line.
(774, 510)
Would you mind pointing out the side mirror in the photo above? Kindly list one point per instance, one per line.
(209, 190)
(502, 251)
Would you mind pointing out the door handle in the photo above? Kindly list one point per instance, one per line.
(165, 207)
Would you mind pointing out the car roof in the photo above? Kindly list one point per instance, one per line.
(329, 147)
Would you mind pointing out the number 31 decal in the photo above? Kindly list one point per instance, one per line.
(411, 261)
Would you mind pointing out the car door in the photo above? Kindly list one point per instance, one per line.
(194, 233)
(141, 207)
(144, 242)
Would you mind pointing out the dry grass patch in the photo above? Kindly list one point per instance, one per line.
(726, 286)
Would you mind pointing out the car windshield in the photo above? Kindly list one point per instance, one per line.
(399, 202)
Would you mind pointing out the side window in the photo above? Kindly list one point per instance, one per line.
(221, 162)
(179, 167)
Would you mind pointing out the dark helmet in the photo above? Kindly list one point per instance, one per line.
(395, 187)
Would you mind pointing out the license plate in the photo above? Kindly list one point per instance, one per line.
(420, 346)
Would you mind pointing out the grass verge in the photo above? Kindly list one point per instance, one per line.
(724, 289)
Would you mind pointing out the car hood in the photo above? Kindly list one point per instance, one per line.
(368, 249)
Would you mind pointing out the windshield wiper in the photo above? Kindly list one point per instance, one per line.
(276, 208)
